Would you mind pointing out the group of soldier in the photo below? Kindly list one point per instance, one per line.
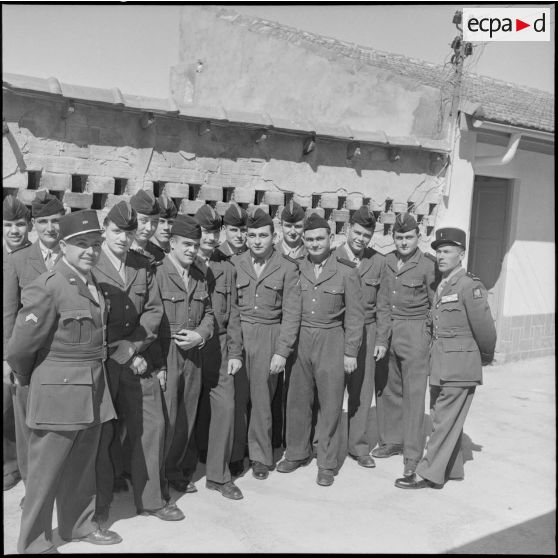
(136, 348)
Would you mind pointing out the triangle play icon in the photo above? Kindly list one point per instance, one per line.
(519, 25)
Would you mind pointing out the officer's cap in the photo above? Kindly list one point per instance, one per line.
(235, 216)
(450, 235)
(292, 213)
(167, 209)
(78, 223)
(124, 216)
(144, 202)
(46, 204)
(314, 221)
(258, 218)
(13, 209)
(186, 226)
(208, 218)
(405, 222)
(363, 217)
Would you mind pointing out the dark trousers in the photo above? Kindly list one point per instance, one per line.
(22, 431)
(241, 414)
(61, 469)
(448, 409)
(180, 405)
(138, 402)
(8, 427)
(400, 407)
(319, 362)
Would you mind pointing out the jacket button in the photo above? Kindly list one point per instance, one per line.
(172, 298)
(257, 295)
(65, 380)
(127, 306)
(127, 324)
(313, 300)
(106, 294)
(312, 312)
(255, 307)
(315, 288)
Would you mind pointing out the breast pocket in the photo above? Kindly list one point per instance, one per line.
(272, 292)
(174, 303)
(243, 291)
(452, 314)
(138, 295)
(77, 326)
(370, 288)
(221, 298)
(197, 307)
(413, 289)
(333, 298)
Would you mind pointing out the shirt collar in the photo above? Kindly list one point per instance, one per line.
(263, 260)
(116, 262)
(293, 252)
(77, 272)
(181, 270)
(351, 254)
(45, 250)
(451, 274)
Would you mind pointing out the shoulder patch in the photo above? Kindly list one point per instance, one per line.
(477, 292)
(346, 262)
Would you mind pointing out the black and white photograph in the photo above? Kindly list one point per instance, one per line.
(278, 278)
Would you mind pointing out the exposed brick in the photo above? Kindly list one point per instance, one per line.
(354, 201)
(243, 195)
(118, 169)
(242, 166)
(207, 164)
(18, 181)
(319, 210)
(304, 201)
(399, 207)
(340, 215)
(176, 190)
(99, 185)
(231, 181)
(73, 150)
(387, 218)
(329, 201)
(134, 185)
(112, 199)
(81, 200)
(57, 182)
(190, 206)
(210, 193)
(167, 174)
(273, 198)
(42, 146)
(176, 160)
(221, 207)
(34, 162)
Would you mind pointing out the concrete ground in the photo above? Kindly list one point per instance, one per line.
(505, 505)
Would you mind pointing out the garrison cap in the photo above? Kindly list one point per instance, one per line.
(363, 217)
(258, 218)
(314, 221)
(124, 216)
(405, 222)
(208, 218)
(46, 204)
(13, 209)
(235, 216)
(186, 226)
(78, 223)
(144, 202)
(450, 235)
(167, 209)
(292, 213)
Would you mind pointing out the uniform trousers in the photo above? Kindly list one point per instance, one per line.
(181, 399)
(259, 346)
(448, 410)
(22, 431)
(138, 402)
(319, 362)
(400, 406)
(61, 469)
(241, 414)
(8, 428)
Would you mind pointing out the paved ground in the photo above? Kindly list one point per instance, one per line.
(505, 505)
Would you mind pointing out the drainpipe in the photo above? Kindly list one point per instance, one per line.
(505, 158)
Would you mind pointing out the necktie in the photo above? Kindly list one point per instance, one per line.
(48, 260)
(122, 272)
(185, 278)
(317, 270)
(93, 290)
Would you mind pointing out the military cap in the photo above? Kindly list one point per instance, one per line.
(124, 216)
(450, 235)
(363, 217)
(292, 213)
(46, 204)
(258, 218)
(208, 218)
(314, 221)
(167, 209)
(405, 222)
(186, 226)
(235, 216)
(79, 222)
(144, 202)
(13, 209)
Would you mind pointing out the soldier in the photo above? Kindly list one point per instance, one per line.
(292, 223)
(147, 209)
(377, 325)
(17, 224)
(186, 326)
(269, 301)
(127, 282)
(330, 336)
(58, 346)
(234, 225)
(410, 280)
(23, 266)
(221, 360)
(464, 339)
(159, 245)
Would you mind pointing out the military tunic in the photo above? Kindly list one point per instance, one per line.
(464, 338)
(58, 346)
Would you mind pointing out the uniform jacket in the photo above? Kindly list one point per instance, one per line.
(220, 274)
(156, 251)
(464, 336)
(183, 308)
(5, 252)
(22, 267)
(273, 297)
(135, 308)
(411, 288)
(58, 346)
(375, 294)
(225, 247)
(301, 253)
(333, 299)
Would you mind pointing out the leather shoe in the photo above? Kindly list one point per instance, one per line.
(411, 483)
(169, 512)
(227, 489)
(185, 486)
(120, 485)
(260, 471)
(236, 467)
(325, 477)
(100, 536)
(11, 479)
(387, 450)
(288, 466)
(364, 460)
(409, 467)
